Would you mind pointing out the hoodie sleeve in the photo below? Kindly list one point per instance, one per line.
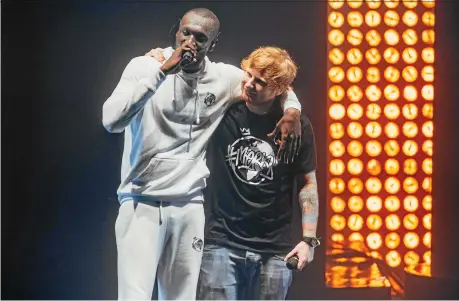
(139, 82)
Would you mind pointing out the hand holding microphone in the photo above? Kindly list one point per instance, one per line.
(182, 56)
(301, 255)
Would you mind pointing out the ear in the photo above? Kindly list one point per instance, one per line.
(214, 43)
(173, 32)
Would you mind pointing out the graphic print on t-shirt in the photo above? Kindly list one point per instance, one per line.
(251, 159)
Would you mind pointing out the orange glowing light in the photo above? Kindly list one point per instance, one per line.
(427, 92)
(373, 56)
(410, 221)
(410, 3)
(354, 111)
(427, 129)
(355, 203)
(336, 74)
(336, 37)
(392, 203)
(337, 149)
(374, 241)
(336, 93)
(391, 92)
(337, 111)
(355, 166)
(373, 111)
(427, 240)
(354, 4)
(373, 37)
(335, 4)
(391, 148)
(427, 257)
(356, 236)
(391, 55)
(409, 74)
(373, 93)
(410, 111)
(373, 185)
(393, 258)
(391, 167)
(427, 202)
(373, 75)
(355, 37)
(337, 167)
(427, 221)
(373, 148)
(410, 185)
(336, 130)
(337, 204)
(411, 240)
(391, 74)
(374, 167)
(372, 18)
(410, 18)
(373, 4)
(337, 185)
(428, 55)
(335, 19)
(410, 166)
(355, 222)
(373, 129)
(392, 240)
(392, 222)
(427, 73)
(336, 56)
(354, 56)
(337, 237)
(354, 18)
(410, 37)
(392, 185)
(410, 148)
(410, 55)
(410, 129)
(391, 130)
(411, 258)
(338, 222)
(391, 37)
(355, 185)
(427, 184)
(391, 111)
(428, 3)
(410, 93)
(391, 18)
(355, 148)
(428, 36)
(354, 130)
(354, 93)
(374, 203)
(427, 147)
(427, 110)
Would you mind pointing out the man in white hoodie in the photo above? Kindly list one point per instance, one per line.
(168, 113)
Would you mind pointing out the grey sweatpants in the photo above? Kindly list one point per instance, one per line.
(164, 240)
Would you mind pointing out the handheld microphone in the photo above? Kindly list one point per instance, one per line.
(292, 263)
(187, 58)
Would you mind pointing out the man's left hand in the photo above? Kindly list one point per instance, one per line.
(304, 252)
(289, 130)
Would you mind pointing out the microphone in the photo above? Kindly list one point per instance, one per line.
(187, 58)
(292, 263)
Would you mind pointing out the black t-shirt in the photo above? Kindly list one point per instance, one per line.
(249, 194)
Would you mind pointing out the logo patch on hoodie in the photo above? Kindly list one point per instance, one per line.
(209, 99)
(197, 244)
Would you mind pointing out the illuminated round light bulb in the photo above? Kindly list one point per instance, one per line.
(355, 237)
(410, 185)
(391, 148)
(355, 222)
(392, 203)
(410, 167)
(410, 111)
(336, 37)
(391, 130)
(355, 148)
(393, 259)
(428, 36)
(427, 73)
(391, 92)
(427, 110)
(373, 111)
(372, 18)
(355, 185)
(410, 18)
(427, 166)
(337, 111)
(392, 111)
(336, 74)
(355, 18)
(373, 37)
(427, 240)
(373, 75)
(391, 37)
(354, 4)
(427, 92)
(410, 129)
(354, 74)
(354, 93)
(373, 148)
(354, 130)
(410, 55)
(427, 221)
(411, 240)
(373, 4)
(373, 56)
(410, 3)
(411, 258)
(335, 19)
(391, 74)
(374, 167)
(427, 147)
(410, 221)
(428, 55)
(336, 130)
(391, 18)
(410, 148)
(427, 184)
(409, 74)
(354, 56)
(335, 4)
(337, 148)
(373, 93)
(427, 202)
(355, 203)
(410, 37)
(427, 129)
(355, 166)
(410, 93)
(373, 185)
(337, 185)
(374, 203)
(373, 129)
(392, 185)
(374, 241)
(354, 111)
(391, 3)
(337, 237)
(337, 204)
(336, 56)
(337, 167)
(428, 18)
(392, 222)
(391, 55)
(355, 37)
(392, 240)
(338, 222)
(336, 93)
(427, 257)
(428, 3)
(392, 167)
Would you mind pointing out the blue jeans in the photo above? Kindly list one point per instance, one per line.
(228, 274)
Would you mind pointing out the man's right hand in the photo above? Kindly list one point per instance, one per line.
(173, 64)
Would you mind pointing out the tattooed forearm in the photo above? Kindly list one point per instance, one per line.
(309, 204)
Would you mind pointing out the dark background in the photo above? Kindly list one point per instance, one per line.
(60, 169)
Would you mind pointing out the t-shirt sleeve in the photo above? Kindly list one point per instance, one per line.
(306, 160)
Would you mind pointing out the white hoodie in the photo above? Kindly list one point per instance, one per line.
(168, 121)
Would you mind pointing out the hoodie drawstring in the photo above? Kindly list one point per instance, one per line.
(160, 218)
